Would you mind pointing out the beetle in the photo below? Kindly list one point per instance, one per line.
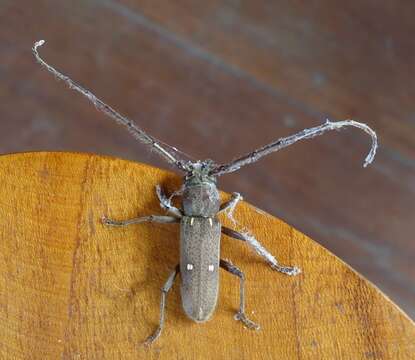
(200, 228)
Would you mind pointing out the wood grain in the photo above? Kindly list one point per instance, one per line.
(71, 288)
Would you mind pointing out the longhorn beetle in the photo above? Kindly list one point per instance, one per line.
(200, 229)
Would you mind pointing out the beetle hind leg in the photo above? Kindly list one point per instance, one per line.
(247, 322)
(164, 291)
(240, 315)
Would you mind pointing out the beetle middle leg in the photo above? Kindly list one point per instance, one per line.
(261, 251)
(228, 266)
(151, 218)
(164, 291)
(165, 203)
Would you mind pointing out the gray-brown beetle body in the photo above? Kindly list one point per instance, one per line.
(199, 266)
(200, 233)
(200, 229)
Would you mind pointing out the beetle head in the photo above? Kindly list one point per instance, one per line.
(198, 172)
(200, 194)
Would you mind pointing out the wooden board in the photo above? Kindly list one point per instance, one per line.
(71, 288)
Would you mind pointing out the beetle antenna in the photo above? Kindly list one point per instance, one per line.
(167, 152)
(287, 141)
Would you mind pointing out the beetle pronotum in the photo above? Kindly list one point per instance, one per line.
(200, 229)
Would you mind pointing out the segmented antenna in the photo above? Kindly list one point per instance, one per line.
(165, 151)
(287, 141)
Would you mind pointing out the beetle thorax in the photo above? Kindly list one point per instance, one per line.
(200, 194)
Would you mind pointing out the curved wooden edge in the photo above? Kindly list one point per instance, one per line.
(72, 288)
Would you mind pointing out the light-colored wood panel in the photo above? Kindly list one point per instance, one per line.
(71, 288)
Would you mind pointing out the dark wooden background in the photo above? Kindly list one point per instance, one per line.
(219, 78)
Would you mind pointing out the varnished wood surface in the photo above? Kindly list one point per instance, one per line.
(217, 79)
(71, 288)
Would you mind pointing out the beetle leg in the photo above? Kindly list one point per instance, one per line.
(261, 251)
(165, 203)
(240, 315)
(152, 218)
(235, 198)
(164, 291)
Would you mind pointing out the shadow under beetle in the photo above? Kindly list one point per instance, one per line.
(200, 229)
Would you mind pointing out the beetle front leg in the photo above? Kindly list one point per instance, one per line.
(165, 203)
(228, 266)
(164, 291)
(231, 203)
(261, 251)
(152, 218)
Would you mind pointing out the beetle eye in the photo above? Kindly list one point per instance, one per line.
(211, 268)
(189, 267)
